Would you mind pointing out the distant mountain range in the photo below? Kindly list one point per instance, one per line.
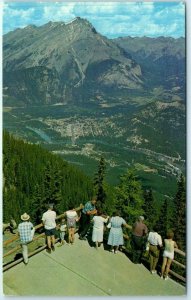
(162, 59)
(69, 63)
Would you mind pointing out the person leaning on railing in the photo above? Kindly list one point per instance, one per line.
(139, 233)
(168, 254)
(72, 218)
(154, 245)
(115, 238)
(49, 222)
(26, 232)
(85, 221)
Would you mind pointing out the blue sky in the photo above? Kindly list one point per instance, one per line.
(112, 19)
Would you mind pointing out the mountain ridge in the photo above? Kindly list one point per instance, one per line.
(75, 55)
(162, 59)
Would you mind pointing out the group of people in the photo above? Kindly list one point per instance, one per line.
(141, 240)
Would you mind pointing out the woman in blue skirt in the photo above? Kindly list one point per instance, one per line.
(116, 233)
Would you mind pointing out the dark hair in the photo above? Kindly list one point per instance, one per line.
(99, 212)
(170, 234)
(155, 228)
(116, 213)
(71, 207)
(50, 205)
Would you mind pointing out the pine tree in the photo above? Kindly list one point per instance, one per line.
(37, 206)
(129, 196)
(47, 184)
(99, 183)
(149, 208)
(180, 213)
(56, 194)
(162, 223)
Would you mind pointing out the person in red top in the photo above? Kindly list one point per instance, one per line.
(139, 233)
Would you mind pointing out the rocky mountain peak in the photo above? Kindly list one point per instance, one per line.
(60, 57)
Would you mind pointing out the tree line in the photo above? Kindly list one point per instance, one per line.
(33, 177)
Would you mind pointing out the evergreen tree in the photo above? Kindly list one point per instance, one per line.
(110, 200)
(99, 183)
(180, 213)
(163, 223)
(37, 206)
(149, 208)
(47, 184)
(129, 196)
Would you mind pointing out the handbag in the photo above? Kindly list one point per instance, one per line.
(109, 225)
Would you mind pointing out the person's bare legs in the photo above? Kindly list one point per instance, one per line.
(169, 261)
(53, 241)
(163, 266)
(49, 242)
(69, 235)
(116, 249)
(72, 235)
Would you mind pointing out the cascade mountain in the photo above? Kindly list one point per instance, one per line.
(64, 61)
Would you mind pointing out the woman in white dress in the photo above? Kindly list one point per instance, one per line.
(98, 226)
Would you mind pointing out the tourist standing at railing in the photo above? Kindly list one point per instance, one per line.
(26, 232)
(49, 222)
(88, 211)
(72, 218)
(115, 238)
(168, 254)
(154, 245)
(98, 227)
(138, 242)
(62, 230)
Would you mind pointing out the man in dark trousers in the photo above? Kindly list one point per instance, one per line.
(139, 233)
(88, 210)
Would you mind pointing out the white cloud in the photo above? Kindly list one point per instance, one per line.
(11, 13)
(59, 13)
(109, 18)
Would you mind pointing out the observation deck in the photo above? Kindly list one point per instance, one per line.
(81, 270)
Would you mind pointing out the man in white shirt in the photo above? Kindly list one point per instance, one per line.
(155, 243)
(49, 222)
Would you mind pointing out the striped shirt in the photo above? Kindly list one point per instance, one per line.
(24, 230)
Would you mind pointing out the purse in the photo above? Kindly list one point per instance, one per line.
(109, 225)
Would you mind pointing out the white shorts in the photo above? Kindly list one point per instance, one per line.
(168, 254)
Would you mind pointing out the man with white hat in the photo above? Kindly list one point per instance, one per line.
(26, 232)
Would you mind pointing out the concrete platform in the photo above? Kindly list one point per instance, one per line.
(81, 270)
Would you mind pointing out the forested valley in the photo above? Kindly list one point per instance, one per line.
(33, 177)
